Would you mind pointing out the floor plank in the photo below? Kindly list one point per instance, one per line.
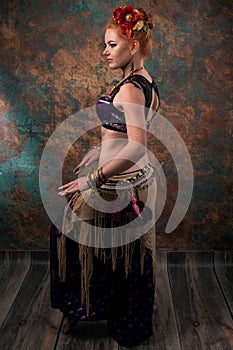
(193, 305)
(14, 267)
(202, 315)
(42, 327)
(223, 263)
(31, 324)
(164, 315)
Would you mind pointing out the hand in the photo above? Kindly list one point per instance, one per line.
(74, 186)
(90, 157)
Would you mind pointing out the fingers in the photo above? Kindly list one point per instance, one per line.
(81, 165)
(68, 188)
(79, 168)
(63, 187)
(68, 191)
(91, 157)
(73, 186)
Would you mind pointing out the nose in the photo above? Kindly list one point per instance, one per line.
(105, 52)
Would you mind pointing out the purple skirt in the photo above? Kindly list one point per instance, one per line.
(126, 303)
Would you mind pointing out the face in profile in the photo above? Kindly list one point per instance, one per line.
(117, 49)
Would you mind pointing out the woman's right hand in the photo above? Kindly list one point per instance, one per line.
(90, 157)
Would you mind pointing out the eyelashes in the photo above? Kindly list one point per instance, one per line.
(111, 45)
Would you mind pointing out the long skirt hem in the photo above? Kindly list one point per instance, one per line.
(125, 302)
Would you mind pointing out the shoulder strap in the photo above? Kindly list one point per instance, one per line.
(149, 89)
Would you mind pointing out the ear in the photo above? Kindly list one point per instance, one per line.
(134, 46)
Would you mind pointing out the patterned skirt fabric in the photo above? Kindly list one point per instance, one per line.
(126, 303)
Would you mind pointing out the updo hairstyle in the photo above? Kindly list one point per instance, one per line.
(144, 37)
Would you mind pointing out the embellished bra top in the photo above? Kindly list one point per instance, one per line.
(114, 119)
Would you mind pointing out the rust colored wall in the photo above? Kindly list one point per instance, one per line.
(51, 66)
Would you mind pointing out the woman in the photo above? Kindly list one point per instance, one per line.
(114, 281)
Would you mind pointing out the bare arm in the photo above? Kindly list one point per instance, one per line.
(132, 101)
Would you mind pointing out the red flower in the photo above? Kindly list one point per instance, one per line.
(118, 14)
(126, 17)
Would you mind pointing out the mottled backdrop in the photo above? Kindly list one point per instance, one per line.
(51, 66)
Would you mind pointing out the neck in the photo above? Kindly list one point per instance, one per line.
(129, 71)
(132, 67)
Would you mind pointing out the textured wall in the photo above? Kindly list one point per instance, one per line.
(51, 66)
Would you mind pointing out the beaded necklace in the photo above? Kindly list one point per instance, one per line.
(129, 75)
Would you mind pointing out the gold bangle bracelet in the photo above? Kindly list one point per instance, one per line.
(101, 176)
(91, 179)
(96, 178)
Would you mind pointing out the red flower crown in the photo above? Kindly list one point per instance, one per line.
(129, 19)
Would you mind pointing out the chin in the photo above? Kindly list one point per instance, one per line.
(113, 66)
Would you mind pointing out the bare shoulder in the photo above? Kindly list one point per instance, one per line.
(130, 93)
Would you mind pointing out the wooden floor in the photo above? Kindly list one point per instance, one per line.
(193, 305)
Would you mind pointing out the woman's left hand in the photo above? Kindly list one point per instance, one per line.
(79, 184)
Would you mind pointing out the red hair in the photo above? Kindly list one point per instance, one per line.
(144, 38)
